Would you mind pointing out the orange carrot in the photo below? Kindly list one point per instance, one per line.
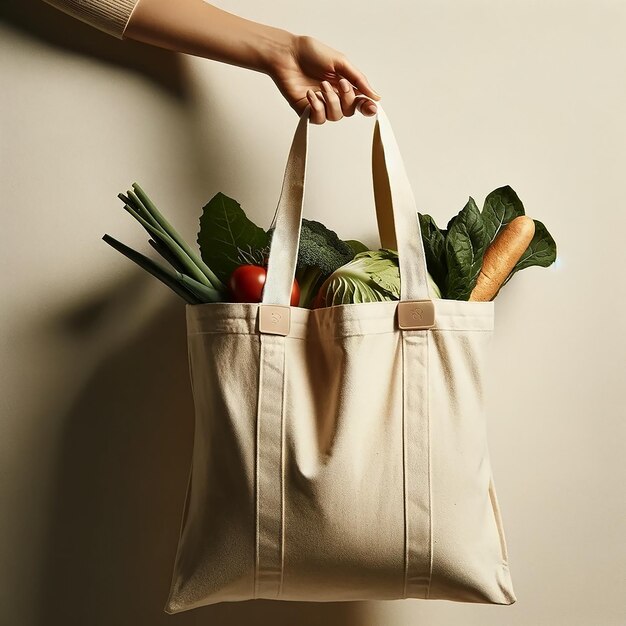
(501, 256)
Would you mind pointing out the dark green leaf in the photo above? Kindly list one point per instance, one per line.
(356, 246)
(224, 230)
(450, 222)
(501, 207)
(465, 246)
(434, 248)
(541, 251)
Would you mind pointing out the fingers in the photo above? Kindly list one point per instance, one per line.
(348, 97)
(357, 78)
(366, 107)
(351, 101)
(327, 105)
(332, 103)
(318, 112)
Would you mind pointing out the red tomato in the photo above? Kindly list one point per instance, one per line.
(247, 282)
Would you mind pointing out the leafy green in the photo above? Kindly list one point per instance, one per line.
(501, 207)
(320, 253)
(434, 248)
(372, 276)
(356, 246)
(465, 245)
(541, 251)
(224, 230)
(454, 256)
(346, 270)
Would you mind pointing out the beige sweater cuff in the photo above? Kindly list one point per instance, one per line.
(111, 16)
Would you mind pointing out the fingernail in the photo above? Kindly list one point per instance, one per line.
(371, 108)
(345, 85)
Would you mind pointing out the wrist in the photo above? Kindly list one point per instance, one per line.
(276, 49)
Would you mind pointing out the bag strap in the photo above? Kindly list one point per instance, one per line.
(395, 207)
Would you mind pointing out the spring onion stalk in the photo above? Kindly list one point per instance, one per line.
(140, 210)
(177, 257)
(215, 282)
(200, 290)
(133, 201)
(163, 273)
(166, 253)
(189, 265)
(158, 244)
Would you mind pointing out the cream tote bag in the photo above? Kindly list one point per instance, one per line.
(341, 453)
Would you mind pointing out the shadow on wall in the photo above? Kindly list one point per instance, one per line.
(121, 480)
(126, 443)
(43, 22)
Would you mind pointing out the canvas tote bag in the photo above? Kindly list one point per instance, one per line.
(341, 453)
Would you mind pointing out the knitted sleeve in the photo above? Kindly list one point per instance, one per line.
(111, 16)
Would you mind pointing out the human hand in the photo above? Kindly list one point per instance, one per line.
(309, 64)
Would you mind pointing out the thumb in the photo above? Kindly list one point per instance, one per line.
(357, 78)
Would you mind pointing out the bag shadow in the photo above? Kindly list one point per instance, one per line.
(120, 486)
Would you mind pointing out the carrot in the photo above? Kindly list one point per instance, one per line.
(501, 256)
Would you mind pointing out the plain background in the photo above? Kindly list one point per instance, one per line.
(96, 422)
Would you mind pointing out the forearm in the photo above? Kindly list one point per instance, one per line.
(110, 16)
(198, 28)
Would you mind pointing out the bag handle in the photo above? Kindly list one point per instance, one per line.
(396, 212)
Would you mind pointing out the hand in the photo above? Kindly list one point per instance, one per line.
(308, 63)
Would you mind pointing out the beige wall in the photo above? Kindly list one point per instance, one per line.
(96, 419)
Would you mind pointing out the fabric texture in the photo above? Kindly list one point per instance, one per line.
(347, 459)
(111, 16)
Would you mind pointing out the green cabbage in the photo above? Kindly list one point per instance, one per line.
(372, 276)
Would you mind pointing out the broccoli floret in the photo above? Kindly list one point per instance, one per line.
(322, 248)
(321, 252)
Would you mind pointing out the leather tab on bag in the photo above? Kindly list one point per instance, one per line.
(416, 314)
(274, 319)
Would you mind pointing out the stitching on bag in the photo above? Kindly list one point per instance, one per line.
(282, 474)
(256, 469)
(404, 484)
(430, 475)
(342, 336)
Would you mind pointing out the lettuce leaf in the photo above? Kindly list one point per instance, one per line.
(224, 231)
(434, 248)
(541, 251)
(501, 207)
(465, 245)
